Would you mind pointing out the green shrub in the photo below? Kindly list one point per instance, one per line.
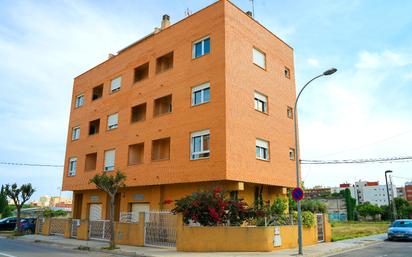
(279, 206)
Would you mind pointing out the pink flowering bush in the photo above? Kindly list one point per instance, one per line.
(211, 208)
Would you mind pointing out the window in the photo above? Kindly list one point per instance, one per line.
(259, 58)
(201, 94)
(161, 149)
(79, 101)
(109, 157)
(141, 72)
(201, 47)
(138, 113)
(112, 121)
(136, 153)
(97, 92)
(261, 102)
(91, 160)
(287, 72)
(164, 62)
(292, 154)
(290, 112)
(262, 149)
(76, 133)
(72, 166)
(200, 145)
(234, 195)
(94, 126)
(115, 84)
(163, 105)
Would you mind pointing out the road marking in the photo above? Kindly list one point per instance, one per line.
(6, 255)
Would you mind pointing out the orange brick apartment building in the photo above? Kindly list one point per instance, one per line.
(201, 103)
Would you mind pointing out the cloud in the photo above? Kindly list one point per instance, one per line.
(358, 113)
(43, 47)
(313, 62)
(385, 59)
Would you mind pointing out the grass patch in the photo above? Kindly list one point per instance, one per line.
(353, 229)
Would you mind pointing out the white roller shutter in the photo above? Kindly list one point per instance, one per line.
(139, 207)
(109, 157)
(95, 212)
(259, 58)
(116, 83)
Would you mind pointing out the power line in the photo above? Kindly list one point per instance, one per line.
(402, 178)
(31, 164)
(359, 161)
(313, 162)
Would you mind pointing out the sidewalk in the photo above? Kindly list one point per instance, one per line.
(323, 249)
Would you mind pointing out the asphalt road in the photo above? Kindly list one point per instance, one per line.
(384, 249)
(17, 248)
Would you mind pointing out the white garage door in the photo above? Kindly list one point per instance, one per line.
(95, 211)
(137, 208)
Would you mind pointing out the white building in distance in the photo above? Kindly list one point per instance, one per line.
(365, 191)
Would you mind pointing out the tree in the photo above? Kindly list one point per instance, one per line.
(368, 209)
(350, 203)
(58, 213)
(314, 206)
(386, 212)
(403, 208)
(110, 184)
(3, 202)
(19, 195)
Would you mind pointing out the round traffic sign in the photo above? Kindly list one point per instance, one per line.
(297, 194)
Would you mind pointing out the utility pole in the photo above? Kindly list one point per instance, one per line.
(393, 199)
(298, 183)
(387, 190)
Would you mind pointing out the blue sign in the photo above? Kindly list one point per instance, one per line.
(297, 194)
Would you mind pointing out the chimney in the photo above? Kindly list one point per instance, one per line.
(165, 22)
(110, 56)
(250, 14)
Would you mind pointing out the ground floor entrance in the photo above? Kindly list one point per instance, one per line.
(93, 205)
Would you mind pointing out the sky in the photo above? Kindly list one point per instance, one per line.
(362, 111)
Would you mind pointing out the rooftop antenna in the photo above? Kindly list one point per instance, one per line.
(188, 12)
(252, 2)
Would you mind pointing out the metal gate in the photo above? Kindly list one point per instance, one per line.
(321, 230)
(75, 225)
(100, 230)
(160, 229)
(57, 226)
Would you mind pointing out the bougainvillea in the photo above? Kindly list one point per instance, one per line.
(211, 208)
(167, 201)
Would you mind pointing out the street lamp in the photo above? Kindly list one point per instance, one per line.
(326, 73)
(387, 190)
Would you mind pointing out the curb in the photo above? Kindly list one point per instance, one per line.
(83, 247)
(348, 249)
(92, 249)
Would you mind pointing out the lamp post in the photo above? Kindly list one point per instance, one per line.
(326, 73)
(387, 191)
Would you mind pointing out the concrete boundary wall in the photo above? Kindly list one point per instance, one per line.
(243, 239)
(208, 239)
